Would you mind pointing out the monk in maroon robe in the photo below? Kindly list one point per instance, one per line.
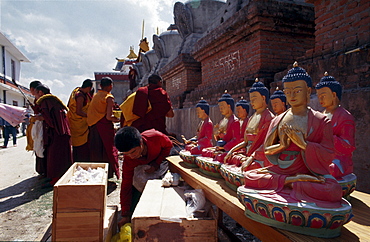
(57, 136)
(160, 102)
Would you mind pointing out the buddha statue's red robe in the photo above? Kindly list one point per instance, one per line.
(315, 161)
(204, 137)
(344, 143)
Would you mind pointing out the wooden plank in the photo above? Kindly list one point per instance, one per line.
(170, 222)
(223, 197)
(110, 222)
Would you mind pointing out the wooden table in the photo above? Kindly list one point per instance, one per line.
(217, 192)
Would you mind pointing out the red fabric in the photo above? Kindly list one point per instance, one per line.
(232, 136)
(159, 147)
(204, 137)
(102, 149)
(161, 104)
(256, 144)
(344, 142)
(57, 138)
(314, 161)
(243, 127)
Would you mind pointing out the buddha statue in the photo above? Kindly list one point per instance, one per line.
(241, 111)
(203, 139)
(278, 102)
(298, 184)
(329, 93)
(249, 153)
(226, 134)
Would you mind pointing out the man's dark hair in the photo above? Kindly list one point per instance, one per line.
(127, 138)
(45, 89)
(35, 83)
(87, 83)
(106, 81)
(154, 79)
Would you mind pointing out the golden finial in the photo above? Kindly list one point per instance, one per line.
(277, 88)
(326, 73)
(295, 64)
(225, 91)
(201, 98)
(241, 98)
(256, 79)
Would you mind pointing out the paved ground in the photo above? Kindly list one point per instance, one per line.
(25, 208)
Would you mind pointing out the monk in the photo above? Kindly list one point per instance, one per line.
(299, 144)
(78, 104)
(148, 148)
(278, 102)
(160, 103)
(249, 153)
(57, 136)
(40, 159)
(228, 130)
(329, 92)
(100, 119)
(242, 110)
(203, 139)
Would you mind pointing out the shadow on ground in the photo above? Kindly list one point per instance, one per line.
(21, 193)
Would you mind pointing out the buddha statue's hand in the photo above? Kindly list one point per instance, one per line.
(296, 136)
(228, 156)
(303, 178)
(246, 162)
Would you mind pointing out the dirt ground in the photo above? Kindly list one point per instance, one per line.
(26, 208)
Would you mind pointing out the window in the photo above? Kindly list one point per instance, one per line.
(13, 69)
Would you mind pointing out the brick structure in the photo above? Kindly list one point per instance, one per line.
(259, 40)
(263, 39)
(342, 42)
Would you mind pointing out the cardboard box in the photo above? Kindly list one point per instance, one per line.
(161, 216)
(78, 210)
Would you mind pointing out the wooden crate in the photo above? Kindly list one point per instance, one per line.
(161, 216)
(78, 210)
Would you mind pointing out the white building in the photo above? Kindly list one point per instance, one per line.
(10, 69)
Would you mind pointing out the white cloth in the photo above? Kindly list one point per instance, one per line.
(38, 140)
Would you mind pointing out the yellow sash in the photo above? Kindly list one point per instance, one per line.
(127, 107)
(77, 124)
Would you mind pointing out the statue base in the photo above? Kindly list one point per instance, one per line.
(348, 184)
(188, 158)
(299, 217)
(233, 176)
(209, 166)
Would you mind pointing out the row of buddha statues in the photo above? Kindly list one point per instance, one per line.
(292, 169)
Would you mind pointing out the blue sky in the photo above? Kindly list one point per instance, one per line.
(68, 40)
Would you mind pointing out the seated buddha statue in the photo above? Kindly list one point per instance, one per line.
(329, 93)
(278, 102)
(249, 153)
(299, 144)
(241, 111)
(227, 132)
(203, 139)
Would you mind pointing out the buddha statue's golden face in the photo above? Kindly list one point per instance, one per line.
(326, 97)
(278, 106)
(297, 93)
(241, 112)
(225, 109)
(257, 101)
(201, 113)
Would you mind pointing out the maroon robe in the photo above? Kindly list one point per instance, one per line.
(102, 149)
(159, 147)
(57, 136)
(161, 105)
